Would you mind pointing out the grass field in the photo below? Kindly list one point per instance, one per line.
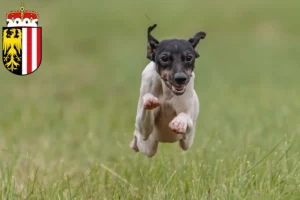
(65, 130)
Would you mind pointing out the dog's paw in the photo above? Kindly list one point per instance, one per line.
(151, 102)
(178, 126)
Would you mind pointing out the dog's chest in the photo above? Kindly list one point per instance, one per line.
(164, 116)
(166, 112)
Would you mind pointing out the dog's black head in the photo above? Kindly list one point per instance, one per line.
(174, 58)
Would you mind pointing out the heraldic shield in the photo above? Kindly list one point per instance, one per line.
(22, 49)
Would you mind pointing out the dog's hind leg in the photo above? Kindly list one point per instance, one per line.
(133, 144)
(183, 124)
(147, 147)
(186, 142)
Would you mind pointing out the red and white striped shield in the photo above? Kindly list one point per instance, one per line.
(22, 49)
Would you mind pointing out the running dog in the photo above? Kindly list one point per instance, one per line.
(168, 105)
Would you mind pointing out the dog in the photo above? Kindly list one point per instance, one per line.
(168, 105)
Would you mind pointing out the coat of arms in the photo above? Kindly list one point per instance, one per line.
(22, 42)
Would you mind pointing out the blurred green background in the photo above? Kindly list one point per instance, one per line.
(65, 129)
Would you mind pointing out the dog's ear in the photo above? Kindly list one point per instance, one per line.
(152, 44)
(195, 40)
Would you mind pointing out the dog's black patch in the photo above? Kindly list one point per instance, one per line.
(174, 58)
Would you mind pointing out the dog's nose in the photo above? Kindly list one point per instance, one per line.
(180, 78)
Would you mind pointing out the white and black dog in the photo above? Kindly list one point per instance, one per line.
(168, 105)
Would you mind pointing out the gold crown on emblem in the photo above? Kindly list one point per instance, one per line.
(22, 17)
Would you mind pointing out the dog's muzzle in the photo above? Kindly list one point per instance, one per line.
(176, 89)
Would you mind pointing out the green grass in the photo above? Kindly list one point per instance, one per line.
(65, 130)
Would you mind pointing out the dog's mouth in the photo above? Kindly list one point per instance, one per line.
(176, 89)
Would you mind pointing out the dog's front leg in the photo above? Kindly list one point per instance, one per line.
(144, 126)
(183, 124)
(148, 102)
(145, 117)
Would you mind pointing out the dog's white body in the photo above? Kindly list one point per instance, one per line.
(167, 118)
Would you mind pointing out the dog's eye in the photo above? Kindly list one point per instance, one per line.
(189, 58)
(164, 58)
